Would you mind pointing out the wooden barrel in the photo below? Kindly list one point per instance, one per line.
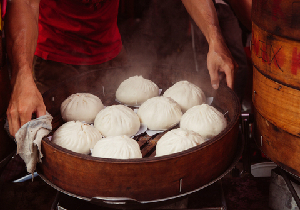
(276, 80)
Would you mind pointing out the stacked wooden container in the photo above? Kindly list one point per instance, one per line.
(276, 80)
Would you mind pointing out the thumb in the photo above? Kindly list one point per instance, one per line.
(214, 78)
(214, 75)
(41, 111)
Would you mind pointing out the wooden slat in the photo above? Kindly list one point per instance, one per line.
(277, 103)
(276, 57)
(278, 145)
(150, 149)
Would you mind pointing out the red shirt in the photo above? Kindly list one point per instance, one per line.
(76, 32)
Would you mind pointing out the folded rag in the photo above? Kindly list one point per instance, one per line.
(29, 138)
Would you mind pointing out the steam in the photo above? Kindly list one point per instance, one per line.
(162, 39)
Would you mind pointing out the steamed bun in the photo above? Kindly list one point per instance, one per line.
(186, 95)
(177, 140)
(117, 120)
(160, 113)
(120, 147)
(76, 136)
(204, 119)
(81, 107)
(136, 90)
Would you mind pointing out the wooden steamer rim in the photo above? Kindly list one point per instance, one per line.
(278, 17)
(145, 180)
(130, 202)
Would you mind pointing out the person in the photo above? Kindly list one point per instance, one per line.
(79, 34)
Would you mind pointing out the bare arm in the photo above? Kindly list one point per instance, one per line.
(21, 28)
(219, 58)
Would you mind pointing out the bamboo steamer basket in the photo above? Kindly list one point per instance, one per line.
(149, 179)
(276, 82)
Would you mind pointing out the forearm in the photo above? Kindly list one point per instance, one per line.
(21, 28)
(204, 14)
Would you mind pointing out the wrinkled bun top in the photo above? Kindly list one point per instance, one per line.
(186, 95)
(136, 90)
(117, 120)
(160, 113)
(204, 119)
(81, 107)
(76, 136)
(177, 140)
(120, 147)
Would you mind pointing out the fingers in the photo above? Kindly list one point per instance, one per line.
(13, 121)
(17, 118)
(41, 111)
(229, 76)
(219, 59)
(214, 75)
(25, 116)
(20, 112)
(25, 100)
(229, 71)
(228, 68)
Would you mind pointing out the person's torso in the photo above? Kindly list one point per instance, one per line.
(78, 31)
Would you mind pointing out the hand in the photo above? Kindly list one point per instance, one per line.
(219, 59)
(25, 100)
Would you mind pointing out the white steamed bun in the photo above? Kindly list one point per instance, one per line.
(76, 136)
(160, 113)
(117, 120)
(186, 95)
(177, 140)
(81, 107)
(120, 147)
(136, 90)
(204, 119)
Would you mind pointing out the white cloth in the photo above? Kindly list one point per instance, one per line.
(29, 138)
